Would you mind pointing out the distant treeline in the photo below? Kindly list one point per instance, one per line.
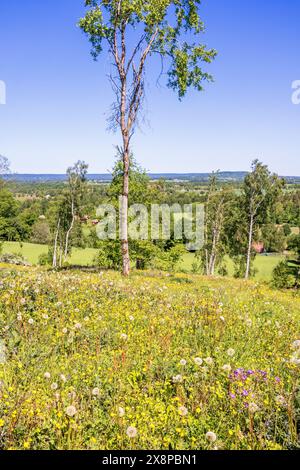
(223, 176)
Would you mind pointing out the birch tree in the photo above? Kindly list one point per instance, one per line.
(261, 188)
(68, 210)
(76, 179)
(133, 31)
(217, 206)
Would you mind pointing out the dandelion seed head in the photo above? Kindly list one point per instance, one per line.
(230, 352)
(183, 411)
(131, 432)
(96, 392)
(71, 411)
(253, 408)
(177, 379)
(211, 436)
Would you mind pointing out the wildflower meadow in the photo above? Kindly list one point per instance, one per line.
(97, 361)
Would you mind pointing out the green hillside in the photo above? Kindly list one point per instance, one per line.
(96, 361)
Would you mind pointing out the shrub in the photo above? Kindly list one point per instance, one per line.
(108, 256)
(45, 259)
(41, 233)
(16, 259)
(285, 275)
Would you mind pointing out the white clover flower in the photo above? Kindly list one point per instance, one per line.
(211, 436)
(19, 317)
(226, 368)
(209, 361)
(47, 375)
(123, 336)
(78, 326)
(45, 316)
(183, 411)
(63, 377)
(222, 318)
(96, 392)
(54, 386)
(31, 321)
(177, 379)
(253, 408)
(296, 344)
(230, 352)
(71, 411)
(198, 361)
(65, 331)
(183, 362)
(131, 432)
(121, 412)
(131, 318)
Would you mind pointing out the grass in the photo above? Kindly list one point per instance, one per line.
(84, 257)
(91, 361)
(264, 264)
(30, 251)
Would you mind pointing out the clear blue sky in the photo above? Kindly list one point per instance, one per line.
(58, 98)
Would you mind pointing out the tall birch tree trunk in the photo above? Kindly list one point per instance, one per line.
(54, 263)
(69, 232)
(124, 213)
(250, 237)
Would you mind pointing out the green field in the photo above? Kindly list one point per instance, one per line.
(30, 251)
(84, 257)
(264, 265)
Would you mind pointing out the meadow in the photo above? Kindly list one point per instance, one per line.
(264, 264)
(156, 361)
(32, 251)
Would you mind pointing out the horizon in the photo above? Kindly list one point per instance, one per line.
(149, 173)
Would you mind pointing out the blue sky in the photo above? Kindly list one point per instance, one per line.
(58, 98)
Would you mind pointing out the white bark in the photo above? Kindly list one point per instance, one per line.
(69, 231)
(250, 237)
(54, 263)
